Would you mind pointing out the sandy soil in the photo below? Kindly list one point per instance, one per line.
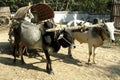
(107, 67)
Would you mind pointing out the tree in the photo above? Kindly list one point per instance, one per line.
(90, 6)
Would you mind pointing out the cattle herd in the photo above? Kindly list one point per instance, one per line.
(27, 34)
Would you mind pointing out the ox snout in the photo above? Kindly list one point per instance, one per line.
(113, 41)
(73, 46)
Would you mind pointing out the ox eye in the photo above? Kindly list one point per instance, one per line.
(106, 29)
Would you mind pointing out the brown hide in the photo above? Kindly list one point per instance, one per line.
(99, 31)
(94, 36)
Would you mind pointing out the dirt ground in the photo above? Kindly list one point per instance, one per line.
(65, 68)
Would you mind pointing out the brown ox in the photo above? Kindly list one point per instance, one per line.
(94, 36)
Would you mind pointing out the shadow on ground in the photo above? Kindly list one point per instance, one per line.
(66, 59)
(5, 48)
(113, 70)
(9, 61)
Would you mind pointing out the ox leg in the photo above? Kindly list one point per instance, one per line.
(94, 55)
(69, 52)
(90, 53)
(14, 53)
(20, 51)
(23, 62)
(48, 66)
(25, 51)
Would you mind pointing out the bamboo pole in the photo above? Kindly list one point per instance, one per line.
(117, 33)
(71, 28)
(116, 30)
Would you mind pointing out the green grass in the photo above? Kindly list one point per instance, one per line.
(117, 42)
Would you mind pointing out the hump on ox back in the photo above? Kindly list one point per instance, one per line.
(94, 36)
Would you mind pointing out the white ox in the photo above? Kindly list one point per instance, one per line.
(94, 36)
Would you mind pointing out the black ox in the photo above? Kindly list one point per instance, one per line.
(35, 36)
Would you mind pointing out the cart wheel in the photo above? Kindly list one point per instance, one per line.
(4, 21)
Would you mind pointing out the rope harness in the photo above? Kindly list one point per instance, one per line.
(67, 41)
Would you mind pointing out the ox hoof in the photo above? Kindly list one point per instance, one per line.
(50, 72)
(94, 63)
(23, 63)
(14, 60)
(88, 63)
(70, 56)
(16, 55)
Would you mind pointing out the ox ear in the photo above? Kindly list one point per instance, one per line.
(60, 36)
(79, 23)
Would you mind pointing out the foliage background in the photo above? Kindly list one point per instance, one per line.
(90, 6)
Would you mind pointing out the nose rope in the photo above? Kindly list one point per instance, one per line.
(67, 41)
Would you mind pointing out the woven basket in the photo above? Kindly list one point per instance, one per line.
(43, 11)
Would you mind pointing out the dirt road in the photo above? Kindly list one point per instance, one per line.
(107, 67)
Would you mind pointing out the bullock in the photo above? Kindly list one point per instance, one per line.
(94, 36)
(109, 25)
(35, 37)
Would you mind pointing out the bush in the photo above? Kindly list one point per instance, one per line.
(117, 41)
